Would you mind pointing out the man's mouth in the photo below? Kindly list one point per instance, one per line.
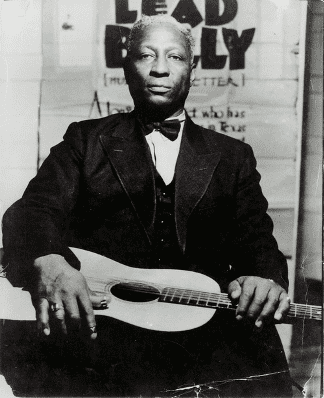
(158, 89)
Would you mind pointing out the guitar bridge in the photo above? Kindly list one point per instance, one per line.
(103, 305)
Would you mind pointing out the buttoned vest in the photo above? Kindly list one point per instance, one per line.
(167, 253)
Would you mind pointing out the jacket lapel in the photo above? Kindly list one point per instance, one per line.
(195, 166)
(131, 159)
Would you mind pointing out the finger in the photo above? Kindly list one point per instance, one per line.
(88, 314)
(43, 317)
(269, 308)
(283, 308)
(57, 314)
(234, 290)
(72, 315)
(245, 300)
(257, 304)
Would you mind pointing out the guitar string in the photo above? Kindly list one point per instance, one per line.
(185, 293)
(208, 297)
(221, 303)
(141, 287)
(192, 294)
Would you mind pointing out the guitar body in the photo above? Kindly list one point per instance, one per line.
(149, 313)
(142, 309)
(158, 299)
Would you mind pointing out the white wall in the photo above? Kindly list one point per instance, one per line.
(67, 88)
(310, 219)
(20, 75)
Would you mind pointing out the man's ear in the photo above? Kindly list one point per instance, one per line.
(126, 64)
(192, 74)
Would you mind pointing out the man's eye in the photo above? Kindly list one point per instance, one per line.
(146, 56)
(175, 57)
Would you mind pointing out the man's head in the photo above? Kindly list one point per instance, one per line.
(159, 68)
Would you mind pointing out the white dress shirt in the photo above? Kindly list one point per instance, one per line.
(164, 151)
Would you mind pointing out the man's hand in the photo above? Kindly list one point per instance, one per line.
(259, 299)
(61, 297)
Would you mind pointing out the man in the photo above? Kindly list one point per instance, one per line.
(119, 187)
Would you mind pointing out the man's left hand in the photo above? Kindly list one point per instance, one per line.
(258, 299)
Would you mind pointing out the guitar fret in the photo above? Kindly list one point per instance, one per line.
(220, 300)
(305, 311)
(180, 297)
(165, 294)
(213, 304)
(188, 301)
(224, 305)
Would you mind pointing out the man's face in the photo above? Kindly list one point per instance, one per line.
(159, 71)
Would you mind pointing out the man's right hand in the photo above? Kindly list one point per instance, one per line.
(61, 298)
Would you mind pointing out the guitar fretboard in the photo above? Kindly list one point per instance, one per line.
(192, 297)
(221, 300)
(175, 295)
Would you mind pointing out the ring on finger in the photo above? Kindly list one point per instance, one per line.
(55, 307)
(93, 329)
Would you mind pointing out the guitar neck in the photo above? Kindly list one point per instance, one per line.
(221, 300)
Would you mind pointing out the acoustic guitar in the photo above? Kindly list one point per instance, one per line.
(157, 299)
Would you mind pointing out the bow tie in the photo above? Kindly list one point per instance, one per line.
(169, 128)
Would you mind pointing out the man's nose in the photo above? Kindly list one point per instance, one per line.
(160, 66)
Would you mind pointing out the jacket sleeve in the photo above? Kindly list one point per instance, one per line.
(34, 225)
(255, 248)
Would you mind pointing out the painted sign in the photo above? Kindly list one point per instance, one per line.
(247, 72)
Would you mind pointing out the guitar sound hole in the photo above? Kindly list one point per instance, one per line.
(135, 292)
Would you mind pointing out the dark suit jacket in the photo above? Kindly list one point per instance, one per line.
(96, 191)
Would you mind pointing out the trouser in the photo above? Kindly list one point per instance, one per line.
(223, 358)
